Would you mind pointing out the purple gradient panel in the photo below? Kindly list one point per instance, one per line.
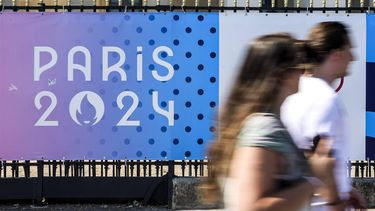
(154, 138)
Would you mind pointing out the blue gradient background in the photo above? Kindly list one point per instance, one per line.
(182, 32)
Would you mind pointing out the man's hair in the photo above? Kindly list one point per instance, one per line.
(326, 37)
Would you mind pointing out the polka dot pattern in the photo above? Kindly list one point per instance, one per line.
(193, 39)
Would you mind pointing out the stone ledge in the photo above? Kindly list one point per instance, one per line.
(186, 194)
(366, 186)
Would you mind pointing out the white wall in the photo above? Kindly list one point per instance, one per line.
(237, 29)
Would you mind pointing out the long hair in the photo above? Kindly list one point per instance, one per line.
(255, 90)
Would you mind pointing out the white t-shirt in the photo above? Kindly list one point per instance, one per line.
(317, 110)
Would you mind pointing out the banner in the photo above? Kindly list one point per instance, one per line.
(145, 85)
(108, 86)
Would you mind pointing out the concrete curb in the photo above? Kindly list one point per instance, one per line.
(186, 194)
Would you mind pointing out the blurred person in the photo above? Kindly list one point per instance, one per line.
(254, 160)
(315, 114)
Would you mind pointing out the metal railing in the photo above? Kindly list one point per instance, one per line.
(348, 6)
(361, 169)
(134, 168)
(103, 168)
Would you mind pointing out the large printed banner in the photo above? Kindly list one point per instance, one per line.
(145, 85)
(108, 86)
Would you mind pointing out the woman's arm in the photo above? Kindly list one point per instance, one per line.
(253, 170)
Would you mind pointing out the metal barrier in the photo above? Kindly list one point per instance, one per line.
(118, 180)
(103, 168)
(362, 6)
(361, 169)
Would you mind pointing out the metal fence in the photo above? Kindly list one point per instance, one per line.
(118, 180)
(103, 168)
(348, 6)
(134, 168)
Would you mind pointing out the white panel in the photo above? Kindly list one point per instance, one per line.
(237, 29)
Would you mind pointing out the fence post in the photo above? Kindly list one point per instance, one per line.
(170, 176)
(38, 188)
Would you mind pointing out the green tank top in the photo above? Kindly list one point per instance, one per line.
(266, 130)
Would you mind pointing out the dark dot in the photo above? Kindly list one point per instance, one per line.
(200, 91)
(151, 67)
(176, 42)
(164, 54)
(176, 67)
(126, 141)
(176, 17)
(114, 104)
(126, 42)
(176, 91)
(126, 67)
(163, 104)
(212, 104)
(188, 129)
(200, 116)
(200, 67)
(102, 141)
(139, 29)
(176, 116)
(212, 129)
(213, 30)
(114, 79)
(163, 154)
(151, 42)
(102, 42)
(114, 129)
(212, 54)
(150, 91)
(127, 17)
(188, 30)
(187, 104)
(163, 129)
(164, 29)
(139, 129)
(151, 141)
(188, 79)
(140, 104)
(151, 116)
(187, 154)
(200, 42)
(151, 17)
(176, 141)
(200, 18)
(188, 54)
(200, 141)
(212, 79)
(139, 154)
